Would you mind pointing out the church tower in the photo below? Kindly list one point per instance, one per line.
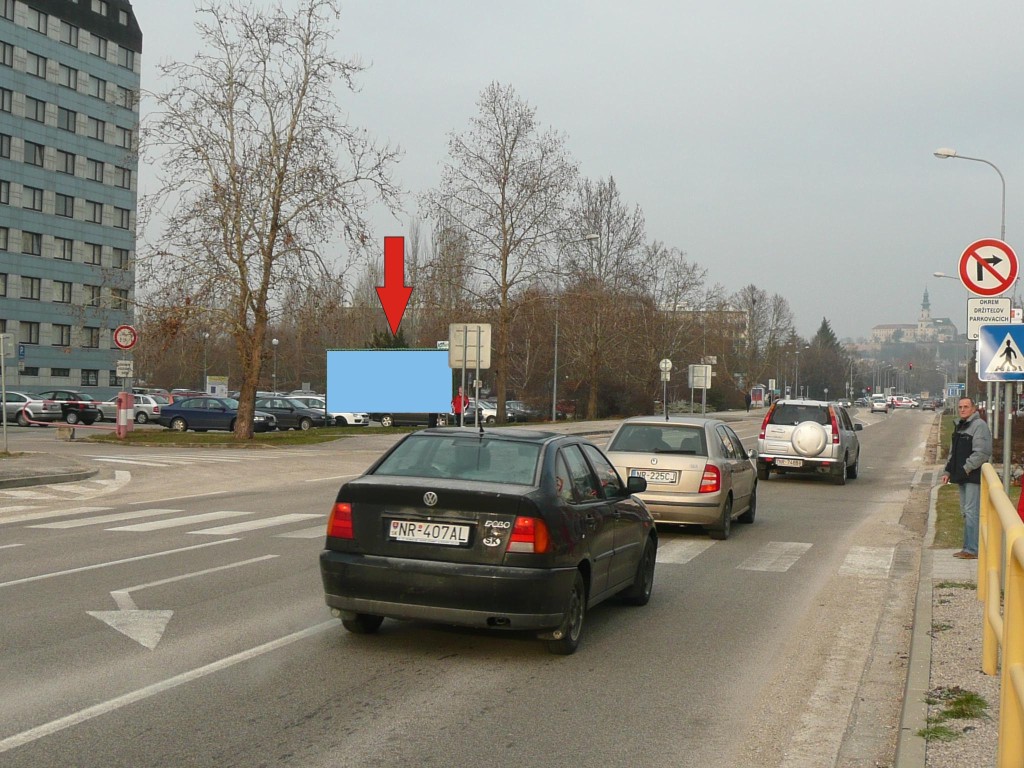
(925, 330)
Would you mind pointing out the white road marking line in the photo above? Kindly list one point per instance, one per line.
(125, 602)
(775, 556)
(253, 525)
(133, 461)
(178, 498)
(316, 532)
(682, 551)
(96, 566)
(10, 546)
(18, 508)
(868, 562)
(52, 513)
(176, 522)
(335, 477)
(79, 523)
(83, 715)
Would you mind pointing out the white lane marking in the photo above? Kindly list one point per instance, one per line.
(131, 461)
(83, 715)
(682, 551)
(175, 522)
(104, 519)
(10, 546)
(17, 508)
(775, 556)
(868, 562)
(52, 513)
(252, 525)
(178, 498)
(335, 477)
(96, 566)
(315, 532)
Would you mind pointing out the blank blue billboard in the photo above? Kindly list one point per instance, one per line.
(389, 380)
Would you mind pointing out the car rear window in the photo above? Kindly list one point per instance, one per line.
(786, 413)
(648, 438)
(460, 458)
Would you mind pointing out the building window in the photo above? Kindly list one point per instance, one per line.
(65, 162)
(67, 76)
(69, 34)
(35, 64)
(5, 193)
(37, 21)
(34, 153)
(30, 370)
(31, 288)
(6, 54)
(97, 87)
(32, 198)
(119, 298)
(100, 7)
(94, 170)
(5, 234)
(61, 292)
(121, 259)
(60, 373)
(123, 177)
(92, 337)
(31, 243)
(94, 211)
(125, 97)
(98, 46)
(61, 335)
(90, 378)
(63, 248)
(64, 205)
(6, 99)
(35, 109)
(97, 129)
(28, 333)
(93, 253)
(7, 9)
(122, 18)
(5, 146)
(126, 58)
(92, 295)
(122, 218)
(124, 137)
(3, 284)
(67, 120)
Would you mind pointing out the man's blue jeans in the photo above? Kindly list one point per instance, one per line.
(970, 505)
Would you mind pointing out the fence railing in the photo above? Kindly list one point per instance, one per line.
(1001, 589)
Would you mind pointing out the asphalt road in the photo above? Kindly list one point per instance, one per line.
(175, 617)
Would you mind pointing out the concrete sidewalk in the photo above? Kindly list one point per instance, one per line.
(27, 469)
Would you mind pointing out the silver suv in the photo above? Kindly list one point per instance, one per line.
(809, 436)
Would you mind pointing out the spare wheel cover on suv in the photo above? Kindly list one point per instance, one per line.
(809, 438)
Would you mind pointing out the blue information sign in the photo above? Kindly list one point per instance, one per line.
(1000, 355)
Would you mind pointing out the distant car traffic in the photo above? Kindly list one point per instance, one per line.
(879, 404)
(505, 529)
(809, 436)
(208, 412)
(697, 470)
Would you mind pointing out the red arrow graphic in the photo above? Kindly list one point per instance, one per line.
(394, 294)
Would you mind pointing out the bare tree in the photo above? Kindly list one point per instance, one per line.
(259, 170)
(502, 189)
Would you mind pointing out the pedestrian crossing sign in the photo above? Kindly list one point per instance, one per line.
(1000, 355)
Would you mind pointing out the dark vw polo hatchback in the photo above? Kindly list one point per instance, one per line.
(501, 528)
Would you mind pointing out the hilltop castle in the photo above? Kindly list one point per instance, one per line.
(926, 329)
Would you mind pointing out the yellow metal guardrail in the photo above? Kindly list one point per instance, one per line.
(1001, 539)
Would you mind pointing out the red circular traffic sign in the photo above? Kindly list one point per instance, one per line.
(125, 337)
(988, 267)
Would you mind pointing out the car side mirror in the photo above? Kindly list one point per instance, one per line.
(636, 484)
(858, 426)
(752, 454)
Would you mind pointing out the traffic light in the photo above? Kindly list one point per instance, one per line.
(869, 389)
(910, 366)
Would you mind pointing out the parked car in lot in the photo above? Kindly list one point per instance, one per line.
(697, 470)
(146, 409)
(809, 436)
(509, 529)
(292, 413)
(22, 409)
(208, 412)
(523, 411)
(75, 407)
(410, 419)
(334, 418)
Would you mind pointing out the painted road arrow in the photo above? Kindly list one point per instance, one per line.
(147, 627)
(394, 294)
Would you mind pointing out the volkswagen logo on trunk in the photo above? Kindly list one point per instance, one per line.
(430, 498)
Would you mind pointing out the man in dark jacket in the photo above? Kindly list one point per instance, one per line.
(970, 447)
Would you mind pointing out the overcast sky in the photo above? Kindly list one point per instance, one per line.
(786, 143)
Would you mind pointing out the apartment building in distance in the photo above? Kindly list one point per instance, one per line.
(69, 119)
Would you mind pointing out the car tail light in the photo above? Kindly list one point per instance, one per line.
(835, 426)
(711, 482)
(767, 418)
(339, 524)
(156, 409)
(529, 534)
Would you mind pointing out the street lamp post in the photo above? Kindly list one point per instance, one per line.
(206, 337)
(558, 300)
(796, 382)
(945, 152)
(274, 343)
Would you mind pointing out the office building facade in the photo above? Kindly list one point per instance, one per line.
(69, 124)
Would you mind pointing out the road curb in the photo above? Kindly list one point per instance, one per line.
(47, 479)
